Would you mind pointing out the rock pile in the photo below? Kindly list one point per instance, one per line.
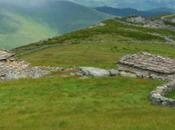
(146, 65)
(158, 95)
(162, 23)
(11, 68)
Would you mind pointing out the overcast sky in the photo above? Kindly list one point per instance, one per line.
(139, 4)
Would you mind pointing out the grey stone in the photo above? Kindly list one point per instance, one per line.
(158, 95)
(127, 74)
(146, 65)
(91, 71)
(114, 72)
(30, 72)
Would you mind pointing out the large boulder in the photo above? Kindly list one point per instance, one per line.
(96, 72)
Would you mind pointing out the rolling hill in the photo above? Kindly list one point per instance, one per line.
(21, 25)
(112, 32)
(70, 102)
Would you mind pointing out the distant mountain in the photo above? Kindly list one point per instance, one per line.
(63, 16)
(118, 12)
(20, 25)
(136, 4)
(134, 12)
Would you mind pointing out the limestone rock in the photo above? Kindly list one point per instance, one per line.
(91, 71)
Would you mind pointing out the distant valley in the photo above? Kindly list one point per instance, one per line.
(72, 67)
(23, 25)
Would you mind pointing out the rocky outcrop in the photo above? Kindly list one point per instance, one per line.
(158, 96)
(11, 68)
(146, 65)
(162, 23)
(136, 19)
(98, 72)
(168, 39)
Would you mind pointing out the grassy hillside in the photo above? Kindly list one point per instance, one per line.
(99, 46)
(76, 104)
(73, 103)
(169, 16)
(21, 25)
(17, 30)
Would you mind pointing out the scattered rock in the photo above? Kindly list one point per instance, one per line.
(158, 95)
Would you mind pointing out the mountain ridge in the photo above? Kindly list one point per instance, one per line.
(46, 20)
(124, 12)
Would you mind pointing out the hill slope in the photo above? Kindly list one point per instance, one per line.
(61, 102)
(22, 25)
(17, 30)
(111, 36)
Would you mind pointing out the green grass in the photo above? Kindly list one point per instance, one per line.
(115, 103)
(169, 16)
(119, 32)
(97, 53)
(75, 104)
(172, 94)
(98, 46)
